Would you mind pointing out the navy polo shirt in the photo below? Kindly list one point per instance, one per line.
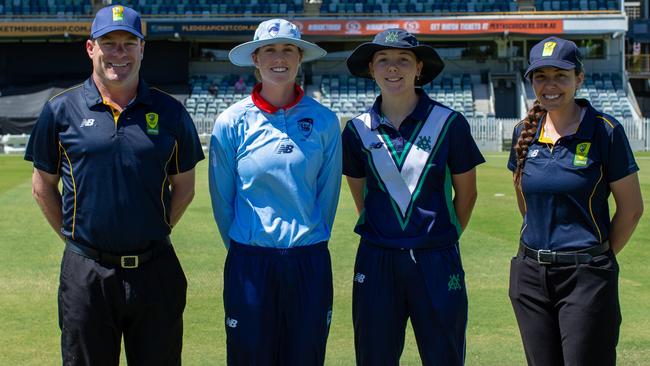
(430, 221)
(566, 186)
(115, 173)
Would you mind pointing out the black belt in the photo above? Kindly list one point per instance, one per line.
(545, 256)
(124, 261)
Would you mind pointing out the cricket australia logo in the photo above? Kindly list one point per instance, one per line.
(392, 37)
(582, 154)
(548, 49)
(424, 143)
(152, 123)
(118, 14)
(454, 283)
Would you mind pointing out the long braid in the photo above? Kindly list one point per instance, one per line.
(526, 136)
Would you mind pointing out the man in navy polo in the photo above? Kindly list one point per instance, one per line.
(125, 154)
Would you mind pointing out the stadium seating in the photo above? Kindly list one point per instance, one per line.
(347, 95)
(205, 8)
(204, 104)
(434, 7)
(45, 8)
(606, 93)
(454, 91)
(579, 5)
(437, 7)
(211, 8)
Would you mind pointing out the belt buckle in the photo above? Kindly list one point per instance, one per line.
(129, 261)
(539, 253)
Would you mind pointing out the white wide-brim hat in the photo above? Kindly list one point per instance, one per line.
(271, 32)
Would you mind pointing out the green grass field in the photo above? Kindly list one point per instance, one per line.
(30, 258)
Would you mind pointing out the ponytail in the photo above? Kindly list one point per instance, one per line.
(531, 123)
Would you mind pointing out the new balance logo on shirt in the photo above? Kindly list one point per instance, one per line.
(359, 277)
(232, 323)
(87, 122)
(285, 149)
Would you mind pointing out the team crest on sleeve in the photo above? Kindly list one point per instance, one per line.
(582, 154)
(305, 126)
(152, 123)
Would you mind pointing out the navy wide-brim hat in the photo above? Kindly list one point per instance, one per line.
(396, 39)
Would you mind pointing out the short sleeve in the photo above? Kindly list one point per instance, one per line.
(512, 159)
(353, 162)
(189, 150)
(620, 163)
(43, 145)
(463, 152)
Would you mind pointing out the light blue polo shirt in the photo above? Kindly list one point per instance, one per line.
(275, 176)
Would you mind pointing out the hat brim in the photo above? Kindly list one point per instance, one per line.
(241, 55)
(560, 64)
(360, 58)
(114, 28)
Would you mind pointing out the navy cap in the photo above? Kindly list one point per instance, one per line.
(396, 38)
(554, 52)
(116, 17)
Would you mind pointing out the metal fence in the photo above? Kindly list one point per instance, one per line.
(491, 134)
(495, 134)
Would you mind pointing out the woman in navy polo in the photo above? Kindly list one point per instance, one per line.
(567, 157)
(402, 159)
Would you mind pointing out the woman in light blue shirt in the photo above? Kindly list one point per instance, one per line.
(275, 176)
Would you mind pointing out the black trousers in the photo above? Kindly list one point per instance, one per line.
(567, 314)
(98, 304)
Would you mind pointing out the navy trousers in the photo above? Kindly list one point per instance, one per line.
(567, 314)
(425, 285)
(278, 304)
(98, 304)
